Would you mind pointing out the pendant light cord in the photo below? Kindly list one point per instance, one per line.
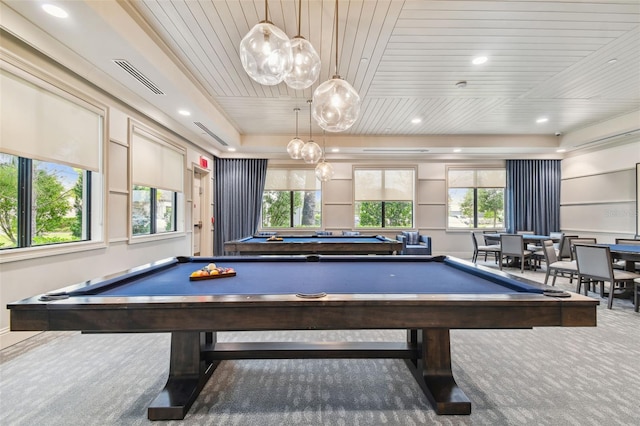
(296, 110)
(266, 10)
(336, 37)
(299, 16)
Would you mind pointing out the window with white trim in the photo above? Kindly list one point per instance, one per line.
(292, 198)
(475, 198)
(158, 180)
(50, 164)
(384, 198)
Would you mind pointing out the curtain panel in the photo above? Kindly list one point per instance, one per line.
(239, 184)
(533, 196)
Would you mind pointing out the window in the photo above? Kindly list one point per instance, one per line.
(383, 198)
(153, 210)
(476, 198)
(292, 198)
(50, 172)
(156, 184)
(56, 211)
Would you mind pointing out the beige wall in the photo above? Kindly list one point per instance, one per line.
(597, 199)
(25, 273)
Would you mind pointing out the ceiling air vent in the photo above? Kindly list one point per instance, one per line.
(138, 76)
(210, 133)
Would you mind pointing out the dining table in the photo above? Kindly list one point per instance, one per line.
(630, 253)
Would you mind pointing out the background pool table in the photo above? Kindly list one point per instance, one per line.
(424, 295)
(338, 244)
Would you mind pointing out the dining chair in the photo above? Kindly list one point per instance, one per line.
(478, 249)
(556, 266)
(564, 251)
(538, 251)
(512, 246)
(636, 294)
(594, 265)
(575, 241)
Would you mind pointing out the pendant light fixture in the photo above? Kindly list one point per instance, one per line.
(324, 170)
(294, 147)
(336, 104)
(306, 62)
(265, 52)
(311, 151)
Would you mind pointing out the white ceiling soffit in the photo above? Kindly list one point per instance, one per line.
(574, 63)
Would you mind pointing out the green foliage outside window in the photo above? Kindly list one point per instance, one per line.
(291, 209)
(53, 201)
(384, 214)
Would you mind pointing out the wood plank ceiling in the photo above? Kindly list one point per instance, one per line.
(575, 63)
(545, 59)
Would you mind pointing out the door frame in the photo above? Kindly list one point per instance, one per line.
(206, 210)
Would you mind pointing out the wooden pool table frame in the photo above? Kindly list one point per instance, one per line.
(194, 320)
(321, 244)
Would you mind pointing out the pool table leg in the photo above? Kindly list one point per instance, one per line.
(188, 373)
(433, 371)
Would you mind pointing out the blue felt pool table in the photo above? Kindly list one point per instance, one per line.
(427, 296)
(314, 244)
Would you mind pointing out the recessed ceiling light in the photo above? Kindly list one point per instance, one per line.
(457, 150)
(612, 61)
(56, 11)
(461, 84)
(184, 112)
(416, 120)
(561, 150)
(230, 149)
(335, 149)
(363, 60)
(542, 120)
(479, 60)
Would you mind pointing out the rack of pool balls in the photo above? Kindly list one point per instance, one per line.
(212, 271)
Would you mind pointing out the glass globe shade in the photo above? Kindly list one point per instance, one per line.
(336, 105)
(294, 148)
(306, 65)
(265, 53)
(311, 152)
(324, 171)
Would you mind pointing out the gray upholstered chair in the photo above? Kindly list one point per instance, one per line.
(414, 243)
(555, 266)
(481, 248)
(512, 246)
(594, 265)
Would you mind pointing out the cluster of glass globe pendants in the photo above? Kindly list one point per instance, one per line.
(269, 57)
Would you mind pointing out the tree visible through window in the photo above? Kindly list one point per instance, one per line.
(476, 198)
(383, 198)
(292, 199)
(41, 202)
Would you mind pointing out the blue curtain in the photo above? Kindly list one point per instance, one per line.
(239, 184)
(533, 196)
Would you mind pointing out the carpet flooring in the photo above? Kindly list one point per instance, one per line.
(545, 376)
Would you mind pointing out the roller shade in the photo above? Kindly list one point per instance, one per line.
(384, 185)
(291, 180)
(477, 178)
(155, 163)
(39, 124)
